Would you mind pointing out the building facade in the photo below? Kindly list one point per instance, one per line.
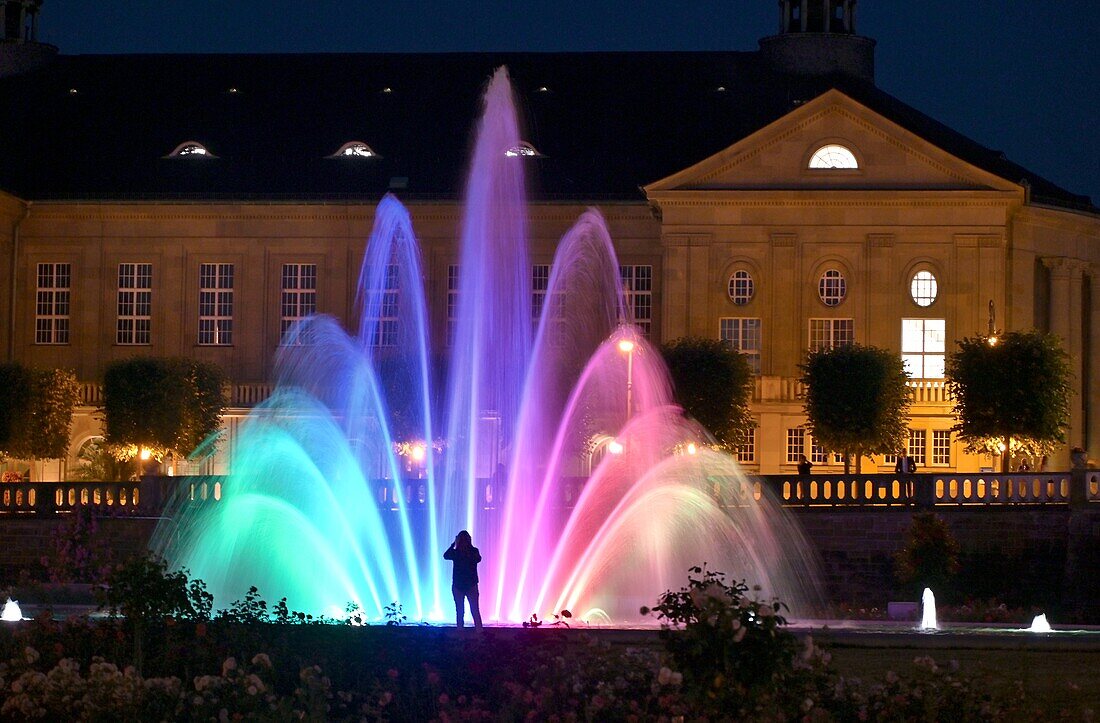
(776, 199)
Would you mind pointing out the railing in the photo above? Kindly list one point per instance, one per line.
(240, 395)
(877, 490)
(818, 491)
(790, 389)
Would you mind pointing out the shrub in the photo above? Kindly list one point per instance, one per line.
(930, 557)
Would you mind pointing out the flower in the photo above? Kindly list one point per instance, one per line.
(261, 660)
(664, 676)
(229, 666)
(740, 634)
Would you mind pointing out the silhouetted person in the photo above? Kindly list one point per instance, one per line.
(905, 464)
(464, 577)
(804, 466)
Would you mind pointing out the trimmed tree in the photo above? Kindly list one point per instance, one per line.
(713, 382)
(161, 404)
(1012, 389)
(856, 400)
(39, 414)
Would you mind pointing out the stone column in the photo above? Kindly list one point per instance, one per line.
(1092, 401)
(1065, 321)
(804, 14)
(828, 14)
(784, 16)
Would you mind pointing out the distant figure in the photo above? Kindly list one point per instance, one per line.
(905, 464)
(804, 466)
(464, 577)
(1024, 467)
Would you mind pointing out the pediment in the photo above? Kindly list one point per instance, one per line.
(777, 157)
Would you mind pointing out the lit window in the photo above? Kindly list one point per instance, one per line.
(923, 347)
(923, 288)
(135, 302)
(523, 148)
(191, 149)
(638, 289)
(215, 304)
(833, 156)
(742, 334)
(796, 444)
(298, 299)
(741, 287)
(354, 149)
(51, 315)
(831, 333)
(917, 439)
(746, 449)
(832, 288)
(941, 446)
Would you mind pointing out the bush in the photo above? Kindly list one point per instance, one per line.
(930, 557)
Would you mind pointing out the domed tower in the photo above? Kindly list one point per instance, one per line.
(818, 37)
(20, 50)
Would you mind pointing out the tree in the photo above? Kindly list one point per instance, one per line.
(713, 382)
(39, 411)
(1013, 387)
(857, 401)
(16, 381)
(161, 404)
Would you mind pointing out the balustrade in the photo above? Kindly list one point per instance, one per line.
(824, 490)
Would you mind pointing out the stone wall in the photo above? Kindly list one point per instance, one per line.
(1021, 555)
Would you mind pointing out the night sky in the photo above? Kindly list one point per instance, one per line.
(1019, 76)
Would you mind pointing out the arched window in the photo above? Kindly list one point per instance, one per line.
(191, 149)
(833, 156)
(354, 149)
(741, 287)
(923, 288)
(832, 288)
(523, 148)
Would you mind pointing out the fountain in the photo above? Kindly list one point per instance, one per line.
(928, 611)
(1040, 625)
(551, 436)
(11, 612)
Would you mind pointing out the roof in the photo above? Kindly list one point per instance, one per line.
(606, 123)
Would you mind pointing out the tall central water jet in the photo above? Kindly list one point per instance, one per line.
(584, 485)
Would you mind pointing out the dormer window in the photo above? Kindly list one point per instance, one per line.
(191, 149)
(522, 149)
(354, 149)
(833, 156)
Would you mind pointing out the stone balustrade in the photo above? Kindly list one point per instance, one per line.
(868, 491)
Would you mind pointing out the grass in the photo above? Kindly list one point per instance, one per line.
(1056, 680)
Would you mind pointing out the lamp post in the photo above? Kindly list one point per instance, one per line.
(626, 346)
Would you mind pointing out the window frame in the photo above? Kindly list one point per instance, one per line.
(134, 297)
(738, 334)
(299, 299)
(219, 298)
(53, 303)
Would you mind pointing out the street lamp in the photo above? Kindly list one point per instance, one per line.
(626, 346)
(991, 331)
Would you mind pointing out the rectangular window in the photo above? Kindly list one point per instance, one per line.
(941, 446)
(638, 289)
(51, 313)
(917, 441)
(216, 304)
(452, 303)
(385, 330)
(923, 346)
(796, 444)
(743, 334)
(298, 299)
(540, 283)
(746, 450)
(831, 333)
(818, 455)
(135, 304)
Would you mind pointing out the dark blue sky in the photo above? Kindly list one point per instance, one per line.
(1021, 76)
